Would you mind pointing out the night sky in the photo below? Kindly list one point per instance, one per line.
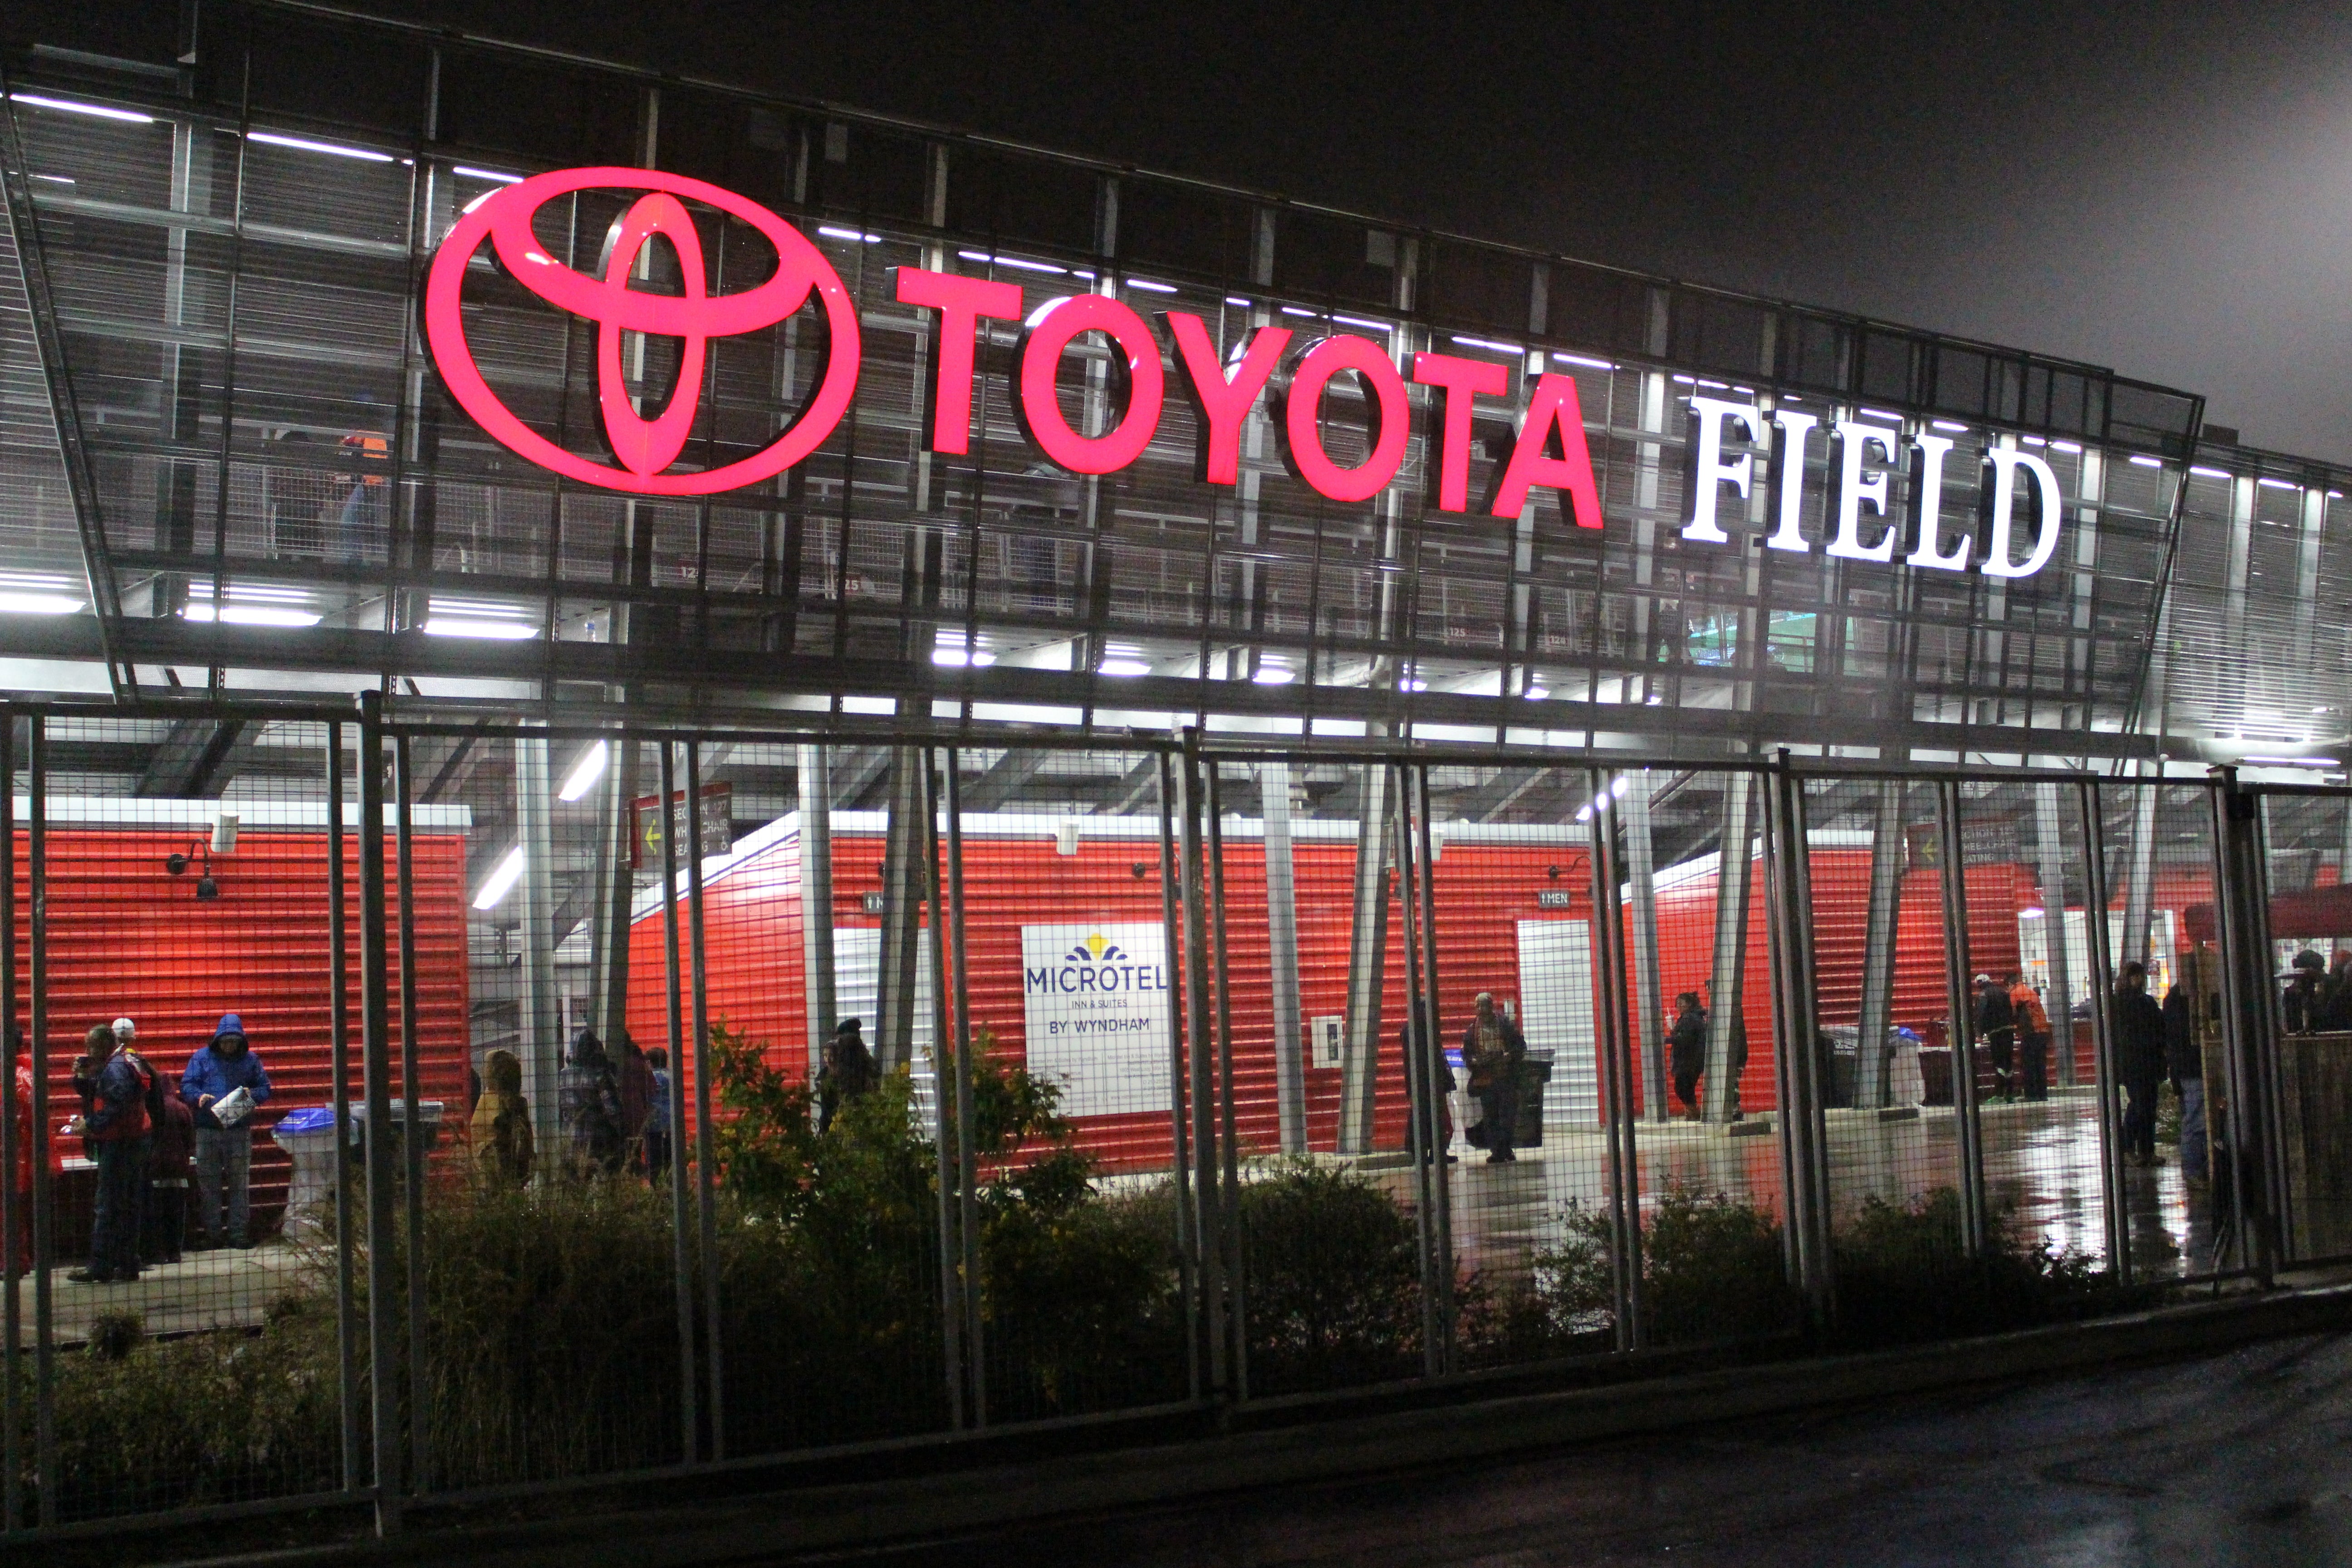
(2159, 187)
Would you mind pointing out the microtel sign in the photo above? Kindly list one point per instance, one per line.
(1291, 376)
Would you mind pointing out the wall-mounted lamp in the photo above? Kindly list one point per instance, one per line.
(177, 865)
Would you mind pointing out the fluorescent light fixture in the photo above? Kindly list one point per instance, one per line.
(1719, 385)
(1624, 782)
(2065, 447)
(473, 173)
(1879, 414)
(1584, 812)
(501, 881)
(959, 657)
(1233, 300)
(1684, 381)
(468, 626)
(1946, 424)
(1122, 667)
(19, 604)
(2208, 473)
(2031, 912)
(2270, 484)
(70, 105)
(2034, 440)
(1536, 693)
(333, 149)
(2293, 761)
(856, 235)
(1295, 311)
(1592, 364)
(251, 615)
(2143, 462)
(585, 771)
(1487, 343)
(1361, 321)
(1150, 288)
(55, 179)
(1013, 261)
(1274, 675)
(1412, 683)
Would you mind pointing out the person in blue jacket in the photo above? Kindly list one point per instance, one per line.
(224, 1153)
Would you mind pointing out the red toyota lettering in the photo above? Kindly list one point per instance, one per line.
(1221, 403)
(1458, 382)
(1138, 383)
(961, 302)
(1554, 416)
(1301, 390)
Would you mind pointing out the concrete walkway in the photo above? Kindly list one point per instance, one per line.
(203, 1290)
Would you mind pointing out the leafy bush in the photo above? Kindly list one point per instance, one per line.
(1330, 1280)
(1903, 1277)
(1711, 1270)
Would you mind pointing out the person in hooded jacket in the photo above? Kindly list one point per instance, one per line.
(1996, 1029)
(164, 1231)
(2186, 1063)
(503, 1147)
(1687, 1050)
(2139, 1026)
(224, 1151)
(588, 1109)
(850, 1072)
(635, 1077)
(115, 1083)
(2032, 1036)
(20, 1109)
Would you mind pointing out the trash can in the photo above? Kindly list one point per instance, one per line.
(1841, 1059)
(428, 1118)
(1534, 1073)
(308, 1136)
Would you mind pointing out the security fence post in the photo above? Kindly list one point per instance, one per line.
(1420, 1132)
(2102, 978)
(946, 1140)
(706, 1216)
(1207, 1226)
(1236, 1286)
(45, 1348)
(1608, 932)
(1432, 1045)
(673, 1020)
(375, 1068)
(975, 1348)
(1963, 1017)
(2247, 1040)
(412, 1145)
(11, 1484)
(1173, 927)
(1796, 1048)
(339, 1090)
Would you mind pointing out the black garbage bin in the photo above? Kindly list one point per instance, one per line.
(1935, 1075)
(1534, 1073)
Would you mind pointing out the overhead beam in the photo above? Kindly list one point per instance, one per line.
(197, 758)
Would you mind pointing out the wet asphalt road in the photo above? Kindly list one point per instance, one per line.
(2242, 1458)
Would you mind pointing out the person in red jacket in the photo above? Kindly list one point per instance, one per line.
(20, 1110)
(163, 1229)
(115, 1129)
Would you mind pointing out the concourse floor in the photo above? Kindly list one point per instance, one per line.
(222, 1290)
(2238, 1458)
(2041, 1164)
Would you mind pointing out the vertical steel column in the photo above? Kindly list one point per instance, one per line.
(2061, 999)
(1419, 1132)
(1616, 1068)
(705, 1199)
(411, 1144)
(1963, 1017)
(1282, 944)
(947, 1142)
(339, 1090)
(975, 1348)
(816, 899)
(375, 1069)
(2140, 892)
(673, 1022)
(1171, 937)
(1229, 1197)
(541, 1017)
(1720, 1099)
(45, 1347)
(12, 1483)
(2102, 980)
(1648, 995)
(1872, 1090)
(1433, 1052)
(1206, 1200)
(620, 898)
(2246, 1013)
(894, 989)
(1797, 1052)
(1367, 951)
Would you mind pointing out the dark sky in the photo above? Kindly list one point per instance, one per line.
(2161, 188)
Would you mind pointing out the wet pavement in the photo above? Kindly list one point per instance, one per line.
(2245, 1457)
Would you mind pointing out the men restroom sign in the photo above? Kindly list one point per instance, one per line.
(1095, 1013)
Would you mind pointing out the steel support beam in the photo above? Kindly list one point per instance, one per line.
(816, 902)
(2097, 946)
(541, 1020)
(1367, 948)
(1962, 1012)
(1282, 945)
(2139, 890)
(903, 855)
(2059, 1000)
(1719, 1101)
(1871, 1088)
(612, 1010)
(1642, 936)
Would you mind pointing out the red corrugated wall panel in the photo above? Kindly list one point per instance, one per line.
(125, 937)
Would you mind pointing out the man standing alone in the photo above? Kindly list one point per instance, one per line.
(1493, 1049)
(224, 1084)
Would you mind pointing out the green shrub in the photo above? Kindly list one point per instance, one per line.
(1711, 1270)
(1331, 1280)
(1903, 1277)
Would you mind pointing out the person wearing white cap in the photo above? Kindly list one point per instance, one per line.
(1995, 1024)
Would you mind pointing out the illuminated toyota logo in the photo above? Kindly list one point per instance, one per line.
(646, 449)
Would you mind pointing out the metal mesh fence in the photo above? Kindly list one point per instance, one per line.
(2308, 933)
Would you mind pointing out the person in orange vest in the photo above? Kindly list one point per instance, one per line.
(2032, 1036)
(367, 459)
